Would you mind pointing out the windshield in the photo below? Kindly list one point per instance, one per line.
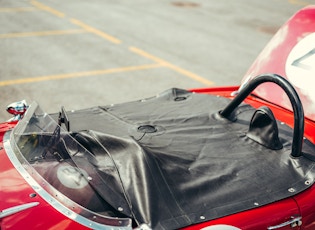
(67, 171)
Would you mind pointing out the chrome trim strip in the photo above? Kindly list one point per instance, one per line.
(294, 222)
(16, 209)
(51, 200)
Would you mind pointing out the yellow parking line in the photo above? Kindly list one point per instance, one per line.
(47, 8)
(171, 66)
(78, 74)
(42, 33)
(95, 31)
(17, 9)
(114, 40)
(84, 26)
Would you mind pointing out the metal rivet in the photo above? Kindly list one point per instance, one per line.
(234, 93)
(256, 204)
(202, 217)
(120, 209)
(32, 195)
(308, 182)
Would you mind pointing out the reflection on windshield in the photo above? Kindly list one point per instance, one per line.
(68, 167)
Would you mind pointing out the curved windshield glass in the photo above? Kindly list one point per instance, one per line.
(66, 171)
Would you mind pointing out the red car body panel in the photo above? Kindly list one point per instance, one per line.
(260, 218)
(290, 53)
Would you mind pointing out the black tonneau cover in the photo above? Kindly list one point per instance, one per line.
(180, 163)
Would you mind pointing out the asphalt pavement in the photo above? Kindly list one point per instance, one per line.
(81, 54)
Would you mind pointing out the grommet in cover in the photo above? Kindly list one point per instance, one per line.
(180, 98)
(291, 190)
(147, 129)
(308, 182)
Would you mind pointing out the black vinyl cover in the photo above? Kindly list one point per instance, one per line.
(177, 162)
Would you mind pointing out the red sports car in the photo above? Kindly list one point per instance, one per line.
(239, 157)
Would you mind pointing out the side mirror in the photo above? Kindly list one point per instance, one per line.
(17, 109)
